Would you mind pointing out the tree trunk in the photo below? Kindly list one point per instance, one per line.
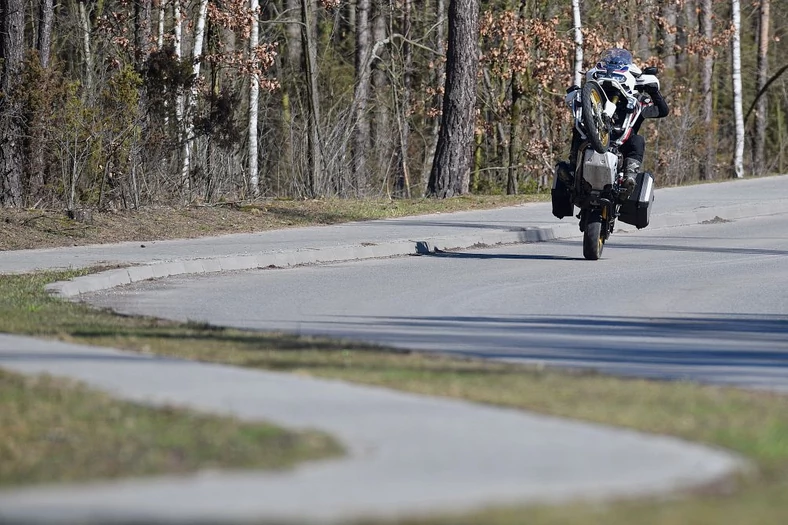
(361, 97)
(578, 25)
(440, 77)
(84, 23)
(402, 185)
(12, 27)
(684, 29)
(380, 127)
(46, 16)
(449, 175)
(293, 28)
(763, 73)
(515, 113)
(738, 158)
(142, 31)
(292, 101)
(160, 25)
(707, 70)
(514, 135)
(34, 118)
(667, 31)
(180, 125)
(191, 109)
(254, 95)
(309, 41)
(643, 26)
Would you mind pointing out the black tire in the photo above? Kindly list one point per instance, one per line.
(593, 236)
(596, 124)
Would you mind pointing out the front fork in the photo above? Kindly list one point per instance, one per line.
(606, 211)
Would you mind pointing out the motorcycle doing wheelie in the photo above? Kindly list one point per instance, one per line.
(605, 111)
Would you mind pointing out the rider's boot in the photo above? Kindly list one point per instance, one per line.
(566, 172)
(631, 170)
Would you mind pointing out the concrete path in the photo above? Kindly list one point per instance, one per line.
(408, 454)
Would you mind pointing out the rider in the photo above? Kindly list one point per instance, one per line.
(634, 148)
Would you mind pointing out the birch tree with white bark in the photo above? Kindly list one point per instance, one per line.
(738, 156)
(254, 96)
(191, 108)
(177, 46)
(87, 54)
(578, 27)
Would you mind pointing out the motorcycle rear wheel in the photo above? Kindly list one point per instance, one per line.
(593, 236)
(594, 120)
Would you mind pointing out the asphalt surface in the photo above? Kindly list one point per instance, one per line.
(707, 302)
(409, 454)
(375, 239)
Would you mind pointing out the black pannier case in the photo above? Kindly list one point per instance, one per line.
(637, 209)
(562, 200)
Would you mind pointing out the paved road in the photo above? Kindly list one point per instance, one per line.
(706, 302)
(408, 453)
(532, 222)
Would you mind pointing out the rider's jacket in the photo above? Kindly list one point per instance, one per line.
(658, 109)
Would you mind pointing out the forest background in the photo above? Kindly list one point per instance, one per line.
(117, 104)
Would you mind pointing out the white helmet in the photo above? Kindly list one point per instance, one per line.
(616, 63)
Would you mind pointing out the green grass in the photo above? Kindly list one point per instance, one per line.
(753, 424)
(55, 430)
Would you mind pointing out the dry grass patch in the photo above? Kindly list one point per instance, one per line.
(27, 229)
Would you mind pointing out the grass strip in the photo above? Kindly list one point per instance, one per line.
(754, 424)
(57, 430)
(25, 229)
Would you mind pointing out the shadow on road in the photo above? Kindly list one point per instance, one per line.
(743, 349)
(699, 249)
(513, 256)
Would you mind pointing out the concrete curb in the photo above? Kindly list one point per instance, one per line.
(394, 248)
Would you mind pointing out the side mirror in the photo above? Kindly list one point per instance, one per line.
(651, 70)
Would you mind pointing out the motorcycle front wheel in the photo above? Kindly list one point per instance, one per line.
(594, 119)
(593, 236)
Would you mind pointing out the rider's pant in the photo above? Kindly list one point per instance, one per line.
(634, 148)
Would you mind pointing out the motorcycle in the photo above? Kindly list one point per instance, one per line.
(605, 110)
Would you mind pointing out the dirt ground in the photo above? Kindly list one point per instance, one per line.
(26, 229)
